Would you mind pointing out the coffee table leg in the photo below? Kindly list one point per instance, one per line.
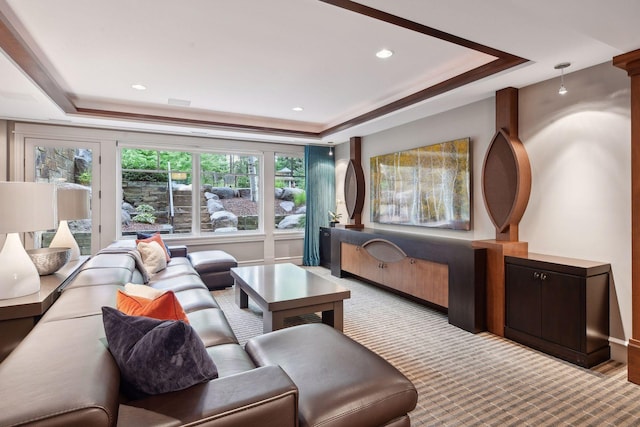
(272, 321)
(334, 317)
(242, 299)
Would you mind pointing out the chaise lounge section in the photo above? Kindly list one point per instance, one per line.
(64, 374)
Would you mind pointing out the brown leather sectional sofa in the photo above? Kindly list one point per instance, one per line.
(62, 374)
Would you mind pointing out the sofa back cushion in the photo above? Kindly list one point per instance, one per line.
(81, 302)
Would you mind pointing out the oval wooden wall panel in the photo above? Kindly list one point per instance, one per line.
(354, 189)
(506, 182)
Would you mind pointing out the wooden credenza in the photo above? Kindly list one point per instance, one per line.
(448, 274)
(559, 306)
(426, 280)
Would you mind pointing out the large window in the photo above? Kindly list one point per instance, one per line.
(229, 193)
(158, 192)
(152, 196)
(290, 196)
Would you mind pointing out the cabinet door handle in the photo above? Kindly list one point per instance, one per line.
(536, 275)
(543, 276)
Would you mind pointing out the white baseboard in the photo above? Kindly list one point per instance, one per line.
(618, 349)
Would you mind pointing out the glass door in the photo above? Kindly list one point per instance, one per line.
(68, 164)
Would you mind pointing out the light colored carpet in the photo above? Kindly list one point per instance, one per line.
(465, 379)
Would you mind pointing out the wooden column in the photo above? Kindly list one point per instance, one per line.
(354, 184)
(630, 62)
(496, 251)
(506, 187)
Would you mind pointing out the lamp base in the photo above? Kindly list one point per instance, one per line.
(18, 275)
(64, 239)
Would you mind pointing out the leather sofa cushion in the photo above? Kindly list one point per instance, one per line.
(212, 261)
(176, 261)
(61, 374)
(230, 359)
(108, 260)
(259, 397)
(344, 384)
(212, 326)
(179, 283)
(195, 299)
(173, 271)
(100, 276)
(82, 302)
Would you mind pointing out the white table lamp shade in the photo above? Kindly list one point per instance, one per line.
(73, 203)
(24, 206)
(27, 206)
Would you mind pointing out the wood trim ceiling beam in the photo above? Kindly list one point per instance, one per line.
(16, 48)
(20, 53)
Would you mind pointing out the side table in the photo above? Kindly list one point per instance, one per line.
(19, 315)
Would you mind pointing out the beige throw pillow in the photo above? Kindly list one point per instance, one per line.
(144, 291)
(153, 256)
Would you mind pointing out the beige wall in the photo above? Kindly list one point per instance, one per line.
(579, 148)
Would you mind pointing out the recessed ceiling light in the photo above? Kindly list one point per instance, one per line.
(297, 109)
(139, 87)
(384, 53)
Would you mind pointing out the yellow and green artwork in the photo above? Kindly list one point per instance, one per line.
(428, 186)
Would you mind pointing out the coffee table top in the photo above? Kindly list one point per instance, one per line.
(280, 285)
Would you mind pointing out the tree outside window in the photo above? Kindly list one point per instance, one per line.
(291, 198)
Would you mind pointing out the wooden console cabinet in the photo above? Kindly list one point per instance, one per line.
(559, 306)
(447, 273)
(426, 280)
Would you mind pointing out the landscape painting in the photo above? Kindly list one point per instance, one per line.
(428, 186)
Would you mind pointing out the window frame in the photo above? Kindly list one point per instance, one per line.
(196, 150)
(301, 155)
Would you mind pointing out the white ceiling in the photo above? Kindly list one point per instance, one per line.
(249, 62)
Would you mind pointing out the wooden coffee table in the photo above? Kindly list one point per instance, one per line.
(285, 290)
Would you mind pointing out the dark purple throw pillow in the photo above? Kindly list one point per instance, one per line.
(156, 356)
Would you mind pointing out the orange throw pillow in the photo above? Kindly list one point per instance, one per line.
(164, 307)
(156, 238)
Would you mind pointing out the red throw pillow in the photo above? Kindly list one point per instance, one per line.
(164, 307)
(156, 238)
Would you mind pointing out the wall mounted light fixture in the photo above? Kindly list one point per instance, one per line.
(330, 149)
(561, 67)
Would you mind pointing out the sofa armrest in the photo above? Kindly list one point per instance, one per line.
(244, 399)
(178, 250)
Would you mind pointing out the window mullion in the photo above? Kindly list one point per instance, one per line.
(195, 194)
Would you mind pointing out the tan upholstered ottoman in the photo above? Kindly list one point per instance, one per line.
(214, 268)
(340, 382)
